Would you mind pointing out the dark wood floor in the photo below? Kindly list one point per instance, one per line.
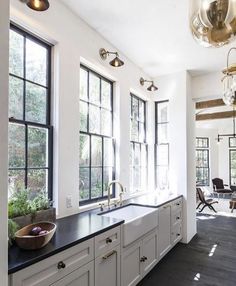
(191, 264)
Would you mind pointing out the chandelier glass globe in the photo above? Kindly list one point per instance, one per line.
(213, 22)
(229, 90)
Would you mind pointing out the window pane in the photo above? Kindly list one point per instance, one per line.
(16, 98)
(16, 180)
(162, 154)
(108, 152)
(202, 142)
(16, 53)
(135, 108)
(96, 182)
(141, 132)
(137, 157)
(96, 149)
(106, 122)
(162, 177)
(107, 175)
(37, 147)
(137, 179)
(131, 157)
(36, 62)
(37, 180)
(143, 155)
(94, 89)
(162, 112)
(16, 145)
(36, 103)
(162, 133)
(134, 130)
(106, 94)
(141, 111)
(83, 84)
(232, 142)
(94, 119)
(84, 150)
(202, 158)
(84, 184)
(83, 116)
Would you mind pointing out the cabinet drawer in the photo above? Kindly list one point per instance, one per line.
(176, 233)
(52, 269)
(176, 217)
(177, 204)
(107, 241)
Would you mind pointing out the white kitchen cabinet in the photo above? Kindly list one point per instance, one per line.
(150, 252)
(164, 240)
(107, 268)
(84, 276)
(56, 267)
(170, 226)
(131, 268)
(139, 259)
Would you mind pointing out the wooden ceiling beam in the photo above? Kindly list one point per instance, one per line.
(216, 115)
(209, 103)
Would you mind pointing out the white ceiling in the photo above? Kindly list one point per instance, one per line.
(154, 34)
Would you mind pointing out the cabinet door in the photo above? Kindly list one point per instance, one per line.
(107, 268)
(150, 252)
(176, 233)
(131, 267)
(164, 239)
(83, 276)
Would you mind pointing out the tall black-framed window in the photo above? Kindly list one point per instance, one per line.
(30, 131)
(138, 145)
(202, 161)
(232, 161)
(162, 144)
(97, 144)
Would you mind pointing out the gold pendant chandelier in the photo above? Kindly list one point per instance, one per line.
(213, 22)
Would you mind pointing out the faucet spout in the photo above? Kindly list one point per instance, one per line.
(109, 190)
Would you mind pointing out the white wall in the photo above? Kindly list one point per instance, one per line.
(207, 86)
(177, 88)
(4, 35)
(76, 42)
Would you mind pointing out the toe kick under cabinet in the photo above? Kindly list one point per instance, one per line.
(79, 265)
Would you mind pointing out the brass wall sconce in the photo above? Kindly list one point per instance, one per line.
(37, 5)
(152, 87)
(116, 62)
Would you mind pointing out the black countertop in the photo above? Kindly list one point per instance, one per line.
(70, 231)
(74, 229)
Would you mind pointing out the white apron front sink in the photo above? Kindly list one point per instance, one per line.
(138, 221)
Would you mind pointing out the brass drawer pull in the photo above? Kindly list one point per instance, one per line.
(61, 265)
(109, 254)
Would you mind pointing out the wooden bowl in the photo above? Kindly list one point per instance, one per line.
(26, 241)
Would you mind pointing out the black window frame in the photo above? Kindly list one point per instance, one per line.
(157, 124)
(90, 134)
(133, 143)
(28, 35)
(204, 149)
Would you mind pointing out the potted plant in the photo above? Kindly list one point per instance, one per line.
(12, 229)
(25, 208)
